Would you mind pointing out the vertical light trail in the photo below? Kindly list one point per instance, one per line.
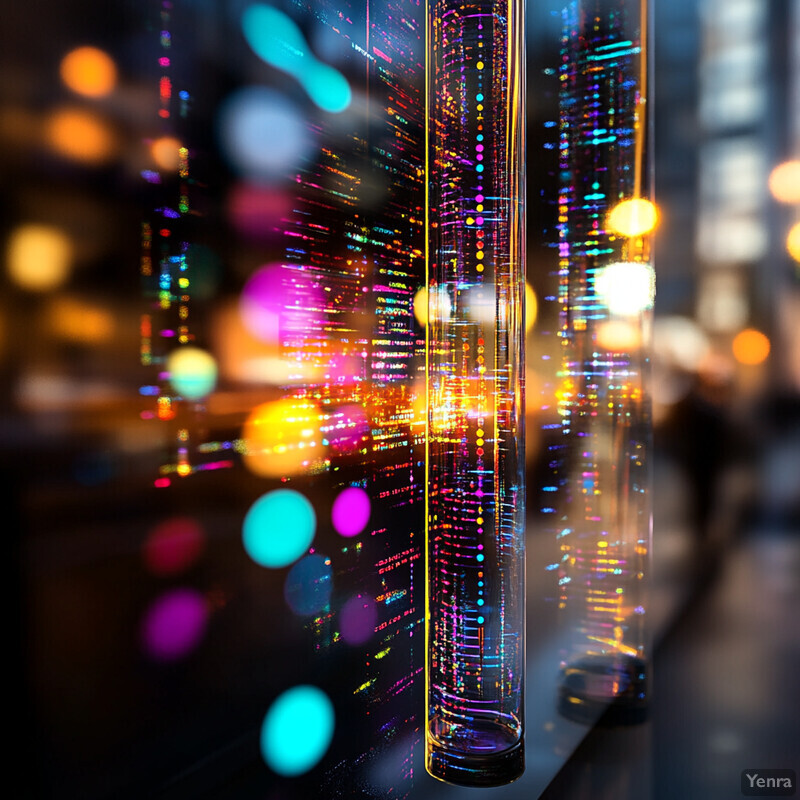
(475, 502)
(606, 294)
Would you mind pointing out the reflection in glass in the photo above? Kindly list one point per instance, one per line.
(606, 293)
(476, 480)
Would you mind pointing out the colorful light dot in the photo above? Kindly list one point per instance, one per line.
(192, 372)
(277, 39)
(297, 730)
(89, 71)
(278, 528)
(531, 307)
(256, 114)
(174, 624)
(173, 546)
(793, 241)
(351, 511)
(626, 287)
(784, 182)
(281, 437)
(358, 619)
(308, 585)
(166, 152)
(81, 135)
(634, 217)
(38, 257)
(750, 347)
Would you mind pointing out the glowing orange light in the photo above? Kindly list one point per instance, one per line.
(634, 217)
(77, 321)
(80, 135)
(39, 257)
(282, 437)
(793, 241)
(784, 182)
(750, 347)
(421, 306)
(166, 152)
(531, 307)
(89, 71)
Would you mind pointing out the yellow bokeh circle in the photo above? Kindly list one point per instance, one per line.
(39, 257)
(784, 182)
(282, 437)
(634, 217)
(793, 242)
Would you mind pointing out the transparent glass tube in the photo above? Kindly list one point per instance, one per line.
(475, 371)
(606, 294)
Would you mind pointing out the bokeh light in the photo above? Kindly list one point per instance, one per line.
(277, 39)
(421, 306)
(263, 135)
(80, 135)
(351, 511)
(166, 152)
(89, 71)
(174, 624)
(680, 341)
(173, 546)
(357, 619)
(297, 730)
(784, 182)
(619, 336)
(278, 528)
(634, 217)
(750, 347)
(627, 287)
(277, 300)
(793, 241)
(327, 87)
(38, 257)
(282, 437)
(309, 584)
(531, 307)
(75, 320)
(256, 211)
(192, 372)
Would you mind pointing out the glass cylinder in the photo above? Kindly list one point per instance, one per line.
(475, 533)
(606, 294)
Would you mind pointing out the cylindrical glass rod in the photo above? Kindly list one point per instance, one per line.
(475, 532)
(606, 292)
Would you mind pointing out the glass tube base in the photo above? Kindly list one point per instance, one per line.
(610, 689)
(470, 769)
